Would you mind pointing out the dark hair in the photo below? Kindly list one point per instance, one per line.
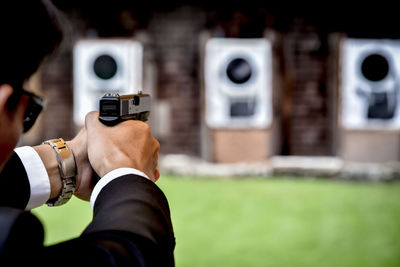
(29, 30)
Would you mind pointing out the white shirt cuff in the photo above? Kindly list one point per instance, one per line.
(111, 176)
(37, 175)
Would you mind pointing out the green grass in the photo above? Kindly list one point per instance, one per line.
(268, 222)
(64, 222)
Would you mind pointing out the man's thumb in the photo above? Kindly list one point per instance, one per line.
(91, 120)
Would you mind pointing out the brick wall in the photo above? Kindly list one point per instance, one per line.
(54, 82)
(307, 120)
(174, 39)
(56, 76)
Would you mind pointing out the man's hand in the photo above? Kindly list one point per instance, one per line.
(128, 144)
(84, 185)
(78, 146)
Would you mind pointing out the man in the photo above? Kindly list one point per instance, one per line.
(131, 220)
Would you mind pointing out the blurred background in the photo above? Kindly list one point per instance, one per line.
(311, 90)
(306, 80)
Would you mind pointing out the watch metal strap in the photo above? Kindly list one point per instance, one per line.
(67, 168)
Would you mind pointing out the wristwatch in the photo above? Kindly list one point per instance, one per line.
(67, 168)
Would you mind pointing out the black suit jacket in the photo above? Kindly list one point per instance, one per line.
(131, 226)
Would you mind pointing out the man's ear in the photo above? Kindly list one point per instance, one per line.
(5, 93)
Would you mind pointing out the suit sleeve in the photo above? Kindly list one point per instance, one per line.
(134, 209)
(131, 226)
(15, 182)
(133, 203)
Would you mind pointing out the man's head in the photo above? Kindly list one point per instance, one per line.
(29, 30)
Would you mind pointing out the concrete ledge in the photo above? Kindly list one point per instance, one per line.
(306, 166)
(191, 166)
(371, 171)
(279, 166)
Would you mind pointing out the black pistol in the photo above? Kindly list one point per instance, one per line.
(115, 108)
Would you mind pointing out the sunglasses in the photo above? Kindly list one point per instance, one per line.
(35, 106)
